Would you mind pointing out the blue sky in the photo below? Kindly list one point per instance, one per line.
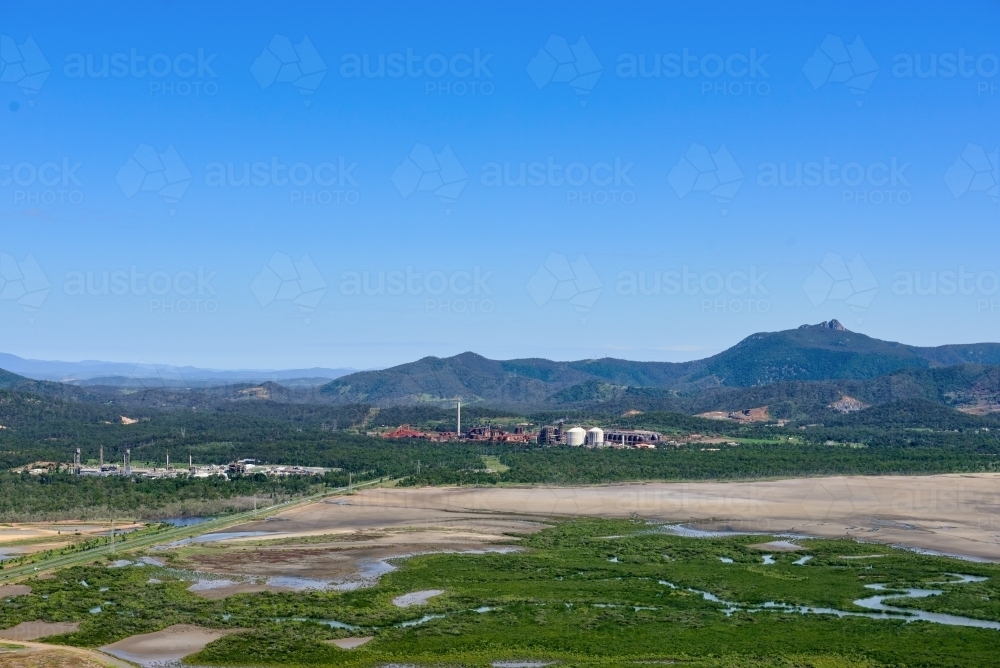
(131, 234)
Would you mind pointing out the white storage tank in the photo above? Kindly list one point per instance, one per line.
(595, 436)
(575, 436)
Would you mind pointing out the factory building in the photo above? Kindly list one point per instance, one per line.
(550, 435)
(631, 438)
(595, 437)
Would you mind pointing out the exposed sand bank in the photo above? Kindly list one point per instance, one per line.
(954, 514)
(416, 597)
(35, 630)
(350, 643)
(170, 644)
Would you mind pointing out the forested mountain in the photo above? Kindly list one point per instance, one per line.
(824, 352)
(812, 372)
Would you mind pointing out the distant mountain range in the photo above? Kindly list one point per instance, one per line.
(822, 362)
(812, 373)
(117, 374)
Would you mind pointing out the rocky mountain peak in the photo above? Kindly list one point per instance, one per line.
(831, 324)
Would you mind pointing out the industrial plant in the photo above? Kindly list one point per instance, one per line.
(595, 437)
(237, 467)
(557, 434)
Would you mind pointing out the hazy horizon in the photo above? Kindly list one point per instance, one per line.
(152, 364)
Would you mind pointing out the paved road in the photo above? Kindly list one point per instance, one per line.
(10, 575)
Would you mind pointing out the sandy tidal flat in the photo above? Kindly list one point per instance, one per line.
(35, 630)
(953, 514)
(169, 645)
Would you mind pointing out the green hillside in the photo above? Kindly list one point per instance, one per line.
(811, 353)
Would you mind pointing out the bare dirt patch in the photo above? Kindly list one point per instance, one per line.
(61, 532)
(48, 658)
(778, 546)
(35, 630)
(6, 591)
(171, 644)
(416, 598)
(350, 643)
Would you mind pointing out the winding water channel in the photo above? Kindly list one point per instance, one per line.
(875, 603)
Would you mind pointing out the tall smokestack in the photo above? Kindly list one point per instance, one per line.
(458, 430)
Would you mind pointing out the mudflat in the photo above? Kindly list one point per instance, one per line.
(350, 643)
(170, 644)
(289, 562)
(955, 514)
(35, 630)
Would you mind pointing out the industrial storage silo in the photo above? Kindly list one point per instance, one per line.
(575, 436)
(595, 436)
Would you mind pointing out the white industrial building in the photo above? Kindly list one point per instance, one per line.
(575, 436)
